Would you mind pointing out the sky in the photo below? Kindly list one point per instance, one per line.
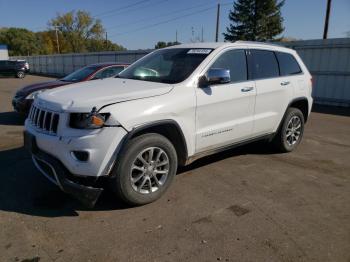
(139, 24)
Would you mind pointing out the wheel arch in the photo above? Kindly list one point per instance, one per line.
(169, 129)
(302, 104)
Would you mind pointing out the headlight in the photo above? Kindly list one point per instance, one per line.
(90, 120)
(35, 94)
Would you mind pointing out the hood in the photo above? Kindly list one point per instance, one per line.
(81, 97)
(39, 86)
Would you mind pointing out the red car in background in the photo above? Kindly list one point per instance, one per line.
(24, 97)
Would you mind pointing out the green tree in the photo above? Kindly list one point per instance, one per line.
(255, 20)
(20, 41)
(78, 32)
(162, 44)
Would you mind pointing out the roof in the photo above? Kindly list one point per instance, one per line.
(215, 45)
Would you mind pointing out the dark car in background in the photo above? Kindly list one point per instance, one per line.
(24, 97)
(17, 68)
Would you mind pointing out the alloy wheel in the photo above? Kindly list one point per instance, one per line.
(293, 130)
(149, 170)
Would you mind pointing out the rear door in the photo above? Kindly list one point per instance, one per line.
(224, 113)
(291, 73)
(272, 91)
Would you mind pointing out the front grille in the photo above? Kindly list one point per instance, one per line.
(44, 120)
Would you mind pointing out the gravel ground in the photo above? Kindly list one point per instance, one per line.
(247, 204)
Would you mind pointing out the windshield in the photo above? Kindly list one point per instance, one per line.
(166, 65)
(80, 74)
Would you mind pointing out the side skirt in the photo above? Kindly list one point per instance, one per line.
(197, 156)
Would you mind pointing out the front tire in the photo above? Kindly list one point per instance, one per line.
(291, 132)
(20, 74)
(145, 170)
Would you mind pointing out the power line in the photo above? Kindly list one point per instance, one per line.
(169, 20)
(121, 8)
(135, 9)
(155, 17)
(165, 21)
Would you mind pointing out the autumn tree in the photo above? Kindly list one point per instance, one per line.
(82, 32)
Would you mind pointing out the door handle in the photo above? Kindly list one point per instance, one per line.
(285, 83)
(247, 89)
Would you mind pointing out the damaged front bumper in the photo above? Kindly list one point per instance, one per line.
(55, 171)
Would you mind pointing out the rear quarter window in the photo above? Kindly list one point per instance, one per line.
(263, 64)
(288, 64)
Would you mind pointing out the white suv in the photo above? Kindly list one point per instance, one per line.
(169, 108)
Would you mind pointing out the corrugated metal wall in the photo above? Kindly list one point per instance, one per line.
(60, 65)
(328, 61)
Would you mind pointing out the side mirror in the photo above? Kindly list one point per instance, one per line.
(215, 76)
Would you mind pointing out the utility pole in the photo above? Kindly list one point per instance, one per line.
(202, 40)
(106, 43)
(217, 23)
(57, 42)
(326, 22)
(176, 36)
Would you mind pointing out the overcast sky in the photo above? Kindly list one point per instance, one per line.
(138, 24)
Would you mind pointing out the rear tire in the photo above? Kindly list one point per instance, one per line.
(20, 74)
(291, 131)
(145, 170)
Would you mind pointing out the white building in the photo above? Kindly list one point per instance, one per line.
(4, 55)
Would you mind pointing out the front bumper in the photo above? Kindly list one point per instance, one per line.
(101, 146)
(52, 155)
(58, 174)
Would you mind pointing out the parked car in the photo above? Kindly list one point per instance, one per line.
(169, 108)
(24, 97)
(17, 68)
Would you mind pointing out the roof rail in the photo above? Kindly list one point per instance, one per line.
(257, 42)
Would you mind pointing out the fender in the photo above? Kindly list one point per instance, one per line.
(152, 125)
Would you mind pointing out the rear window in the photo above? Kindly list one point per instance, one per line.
(288, 64)
(264, 64)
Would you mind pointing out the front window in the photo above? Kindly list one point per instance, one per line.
(235, 61)
(80, 74)
(167, 65)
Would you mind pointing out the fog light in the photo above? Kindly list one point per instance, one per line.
(80, 155)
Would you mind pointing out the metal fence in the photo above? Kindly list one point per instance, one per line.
(328, 61)
(60, 65)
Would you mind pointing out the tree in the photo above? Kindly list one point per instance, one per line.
(78, 32)
(162, 44)
(20, 41)
(97, 45)
(81, 32)
(255, 20)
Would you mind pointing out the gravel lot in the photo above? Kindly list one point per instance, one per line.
(247, 204)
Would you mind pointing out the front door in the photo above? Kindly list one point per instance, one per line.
(224, 113)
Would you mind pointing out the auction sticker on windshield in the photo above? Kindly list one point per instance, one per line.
(199, 51)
